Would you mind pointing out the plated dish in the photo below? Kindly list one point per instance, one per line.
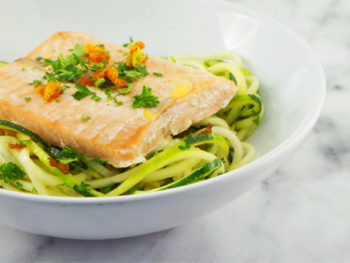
(81, 117)
(292, 87)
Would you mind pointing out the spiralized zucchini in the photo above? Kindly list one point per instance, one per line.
(209, 148)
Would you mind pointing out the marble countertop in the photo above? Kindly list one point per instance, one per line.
(300, 214)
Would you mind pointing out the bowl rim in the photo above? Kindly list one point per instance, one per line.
(302, 130)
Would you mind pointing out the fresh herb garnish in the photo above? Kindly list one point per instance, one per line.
(27, 99)
(125, 91)
(157, 74)
(108, 188)
(117, 101)
(75, 160)
(19, 186)
(35, 82)
(99, 82)
(142, 69)
(83, 189)
(10, 172)
(82, 92)
(145, 99)
(85, 118)
(130, 42)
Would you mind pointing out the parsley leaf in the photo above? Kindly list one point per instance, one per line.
(79, 50)
(27, 99)
(82, 92)
(157, 74)
(125, 91)
(19, 186)
(108, 188)
(142, 70)
(10, 172)
(99, 82)
(85, 118)
(130, 74)
(130, 42)
(145, 99)
(35, 82)
(117, 101)
(75, 160)
(83, 189)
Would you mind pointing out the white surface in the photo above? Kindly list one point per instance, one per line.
(300, 214)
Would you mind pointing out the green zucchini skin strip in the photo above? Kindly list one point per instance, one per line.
(207, 169)
(15, 127)
(244, 105)
(200, 173)
(167, 156)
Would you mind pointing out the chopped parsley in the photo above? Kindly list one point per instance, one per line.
(142, 70)
(27, 99)
(108, 188)
(125, 91)
(78, 65)
(75, 160)
(85, 118)
(82, 92)
(130, 42)
(35, 82)
(130, 74)
(145, 99)
(157, 74)
(117, 101)
(99, 82)
(10, 172)
(19, 186)
(83, 189)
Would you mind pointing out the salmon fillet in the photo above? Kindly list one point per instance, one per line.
(123, 135)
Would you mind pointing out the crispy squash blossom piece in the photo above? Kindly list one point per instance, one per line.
(96, 54)
(85, 80)
(112, 74)
(135, 56)
(49, 92)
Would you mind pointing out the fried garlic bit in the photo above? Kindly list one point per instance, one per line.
(50, 91)
(135, 56)
(96, 53)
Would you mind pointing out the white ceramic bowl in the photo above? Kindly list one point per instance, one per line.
(293, 88)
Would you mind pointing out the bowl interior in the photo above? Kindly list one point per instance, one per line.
(290, 81)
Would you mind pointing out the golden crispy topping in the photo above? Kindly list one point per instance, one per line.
(96, 54)
(112, 74)
(49, 92)
(135, 56)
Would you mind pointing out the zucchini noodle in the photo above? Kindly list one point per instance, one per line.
(209, 148)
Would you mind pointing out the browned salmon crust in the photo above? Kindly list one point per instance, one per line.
(123, 135)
